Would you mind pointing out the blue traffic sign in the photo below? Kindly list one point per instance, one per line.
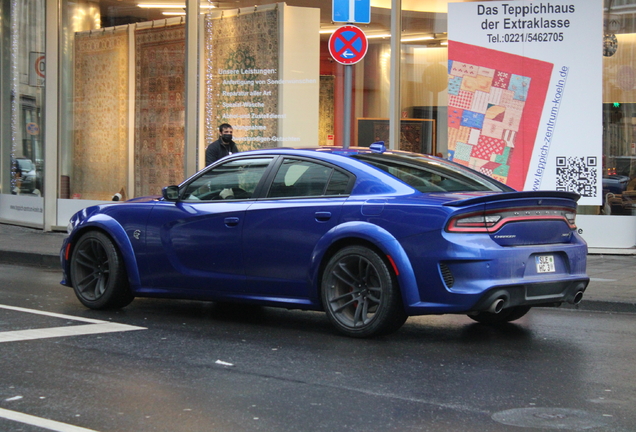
(351, 11)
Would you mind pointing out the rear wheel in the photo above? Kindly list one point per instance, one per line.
(360, 294)
(98, 273)
(506, 315)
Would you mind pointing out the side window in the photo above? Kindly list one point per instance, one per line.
(301, 178)
(234, 180)
(338, 184)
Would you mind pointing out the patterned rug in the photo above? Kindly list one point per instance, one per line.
(159, 108)
(495, 101)
(100, 146)
(241, 55)
(326, 101)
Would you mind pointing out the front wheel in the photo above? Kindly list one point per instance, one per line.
(98, 274)
(360, 294)
(506, 315)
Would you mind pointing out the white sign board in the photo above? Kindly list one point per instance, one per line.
(525, 93)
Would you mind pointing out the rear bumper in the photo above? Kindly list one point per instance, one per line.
(533, 294)
(470, 273)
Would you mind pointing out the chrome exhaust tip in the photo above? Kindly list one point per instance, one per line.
(577, 298)
(497, 306)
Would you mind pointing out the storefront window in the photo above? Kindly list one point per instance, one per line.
(125, 85)
(268, 72)
(424, 72)
(123, 100)
(21, 102)
(619, 108)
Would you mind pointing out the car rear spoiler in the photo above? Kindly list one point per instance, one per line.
(513, 195)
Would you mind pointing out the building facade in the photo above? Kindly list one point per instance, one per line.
(104, 98)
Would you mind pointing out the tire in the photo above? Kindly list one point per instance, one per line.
(360, 294)
(506, 315)
(98, 274)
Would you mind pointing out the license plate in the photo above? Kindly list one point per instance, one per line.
(545, 264)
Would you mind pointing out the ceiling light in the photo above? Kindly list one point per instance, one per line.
(171, 6)
(417, 38)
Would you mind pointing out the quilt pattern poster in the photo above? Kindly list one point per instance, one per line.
(495, 101)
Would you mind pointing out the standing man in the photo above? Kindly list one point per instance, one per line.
(222, 147)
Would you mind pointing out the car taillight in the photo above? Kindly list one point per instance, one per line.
(475, 223)
(491, 221)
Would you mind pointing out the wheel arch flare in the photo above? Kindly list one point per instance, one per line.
(375, 237)
(116, 233)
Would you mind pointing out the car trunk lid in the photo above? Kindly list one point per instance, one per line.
(516, 218)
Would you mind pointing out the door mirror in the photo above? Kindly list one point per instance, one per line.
(170, 193)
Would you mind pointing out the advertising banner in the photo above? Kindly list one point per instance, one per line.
(525, 93)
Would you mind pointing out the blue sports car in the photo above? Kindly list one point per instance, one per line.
(368, 235)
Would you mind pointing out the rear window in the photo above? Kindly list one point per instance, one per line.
(430, 174)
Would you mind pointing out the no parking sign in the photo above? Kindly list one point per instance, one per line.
(348, 45)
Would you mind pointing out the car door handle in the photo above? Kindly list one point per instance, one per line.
(322, 216)
(231, 221)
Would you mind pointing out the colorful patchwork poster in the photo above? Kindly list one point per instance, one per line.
(499, 99)
(524, 93)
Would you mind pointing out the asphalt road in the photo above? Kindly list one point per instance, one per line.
(161, 365)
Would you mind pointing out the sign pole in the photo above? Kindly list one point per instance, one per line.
(348, 45)
(348, 88)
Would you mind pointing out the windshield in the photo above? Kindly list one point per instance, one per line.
(430, 174)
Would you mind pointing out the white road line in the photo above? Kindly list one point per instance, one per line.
(94, 327)
(51, 314)
(40, 422)
(51, 332)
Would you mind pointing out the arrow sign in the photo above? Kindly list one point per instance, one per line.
(348, 45)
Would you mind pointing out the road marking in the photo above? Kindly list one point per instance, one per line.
(41, 422)
(93, 327)
(602, 280)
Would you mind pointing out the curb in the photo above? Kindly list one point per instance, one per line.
(30, 259)
(602, 306)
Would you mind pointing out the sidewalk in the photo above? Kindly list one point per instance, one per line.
(612, 287)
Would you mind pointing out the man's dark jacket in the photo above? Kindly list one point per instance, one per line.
(217, 150)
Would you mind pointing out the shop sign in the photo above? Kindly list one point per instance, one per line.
(525, 93)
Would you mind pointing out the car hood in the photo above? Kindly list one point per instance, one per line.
(150, 198)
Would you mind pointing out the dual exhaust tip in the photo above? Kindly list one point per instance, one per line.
(500, 302)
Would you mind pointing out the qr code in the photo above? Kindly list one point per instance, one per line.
(577, 174)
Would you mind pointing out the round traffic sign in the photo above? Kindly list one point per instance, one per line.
(348, 45)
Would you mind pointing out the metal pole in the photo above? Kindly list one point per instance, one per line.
(396, 58)
(191, 83)
(348, 86)
(51, 118)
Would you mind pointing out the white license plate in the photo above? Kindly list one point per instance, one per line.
(545, 264)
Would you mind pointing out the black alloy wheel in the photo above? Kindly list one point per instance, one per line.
(360, 294)
(98, 274)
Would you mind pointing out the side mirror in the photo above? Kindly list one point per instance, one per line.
(170, 193)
